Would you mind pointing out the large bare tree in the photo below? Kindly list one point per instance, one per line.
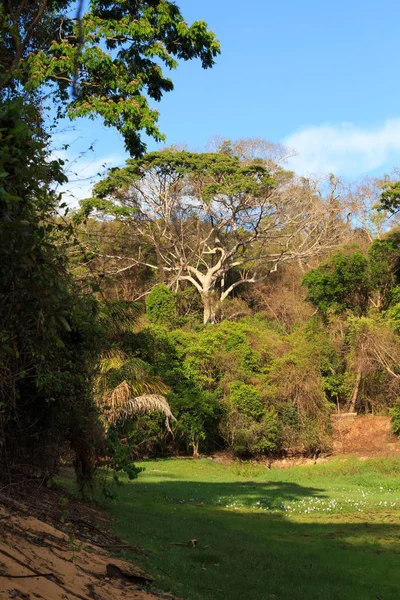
(216, 220)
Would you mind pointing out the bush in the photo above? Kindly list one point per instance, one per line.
(247, 399)
(160, 306)
(342, 283)
(257, 437)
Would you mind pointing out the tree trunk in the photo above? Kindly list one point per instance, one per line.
(195, 444)
(195, 449)
(354, 395)
(209, 309)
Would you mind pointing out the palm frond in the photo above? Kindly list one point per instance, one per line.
(138, 392)
(150, 384)
(114, 359)
(115, 367)
(119, 317)
(118, 400)
(117, 359)
(121, 405)
(149, 403)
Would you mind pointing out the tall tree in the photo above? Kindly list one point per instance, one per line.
(214, 220)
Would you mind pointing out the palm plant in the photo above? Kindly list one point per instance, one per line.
(125, 388)
(124, 385)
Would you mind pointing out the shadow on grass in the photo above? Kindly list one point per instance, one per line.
(244, 555)
(261, 495)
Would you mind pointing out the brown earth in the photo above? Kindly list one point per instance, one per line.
(39, 561)
(354, 435)
(364, 436)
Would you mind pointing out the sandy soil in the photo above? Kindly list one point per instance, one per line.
(365, 437)
(38, 561)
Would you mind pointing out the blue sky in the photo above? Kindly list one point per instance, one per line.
(320, 77)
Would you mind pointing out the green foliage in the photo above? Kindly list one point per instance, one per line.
(196, 409)
(121, 456)
(342, 283)
(217, 173)
(259, 390)
(44, 378)
(189, 306)
(197, 413)
(146, 436)
(338, 386)
(296, 387)
(347, 282)
(225, 353)
(112, 58)
(199, 367)
(390, 197)
(250, 427)
(393, 312)
(247, 399)
(254, 438)
(160, 306)
(395, 416)
(384, 260)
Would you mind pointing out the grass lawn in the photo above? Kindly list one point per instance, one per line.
(328, 531)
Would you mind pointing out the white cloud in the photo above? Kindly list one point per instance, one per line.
(345, 149)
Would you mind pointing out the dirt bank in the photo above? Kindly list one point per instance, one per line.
(39, 561)
(364, 436)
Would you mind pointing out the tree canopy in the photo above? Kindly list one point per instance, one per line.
(104, 63)
(215, 220)
(390, 197)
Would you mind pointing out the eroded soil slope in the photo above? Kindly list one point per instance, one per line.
(38, 561)
(365, 436)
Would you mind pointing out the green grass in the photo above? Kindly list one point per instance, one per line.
(326, 532)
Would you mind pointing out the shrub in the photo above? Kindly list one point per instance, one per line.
(342, 283)
(247, 399)
(256, 437)
(160, 306)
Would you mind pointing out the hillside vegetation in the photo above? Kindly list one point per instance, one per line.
(196, 301)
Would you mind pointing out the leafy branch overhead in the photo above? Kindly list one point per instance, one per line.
(113, 56)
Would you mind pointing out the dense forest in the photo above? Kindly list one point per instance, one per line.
(197, 301)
